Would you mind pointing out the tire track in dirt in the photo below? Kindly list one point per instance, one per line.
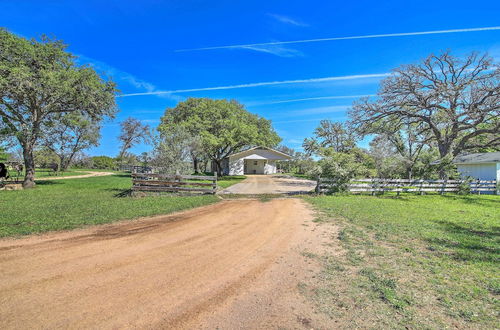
(187, 270)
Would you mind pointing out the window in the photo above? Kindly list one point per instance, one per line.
(255, 162)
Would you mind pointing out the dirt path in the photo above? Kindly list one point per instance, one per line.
(270, 184)
(235, 264)
(88, 175)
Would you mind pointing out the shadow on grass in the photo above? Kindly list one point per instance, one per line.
(467, 243)
(48, 182)
(458, 229)
(120, 192)
(475, 199)
(122, 175)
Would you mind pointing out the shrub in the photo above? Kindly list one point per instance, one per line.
(103, 162)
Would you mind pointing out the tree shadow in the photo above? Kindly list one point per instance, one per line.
(475, 199)
(48, 182)
(467, 243)
(123, 175)
(120, 193)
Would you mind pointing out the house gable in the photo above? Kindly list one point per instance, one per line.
(260, 153)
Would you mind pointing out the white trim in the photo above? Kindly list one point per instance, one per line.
(258, 147)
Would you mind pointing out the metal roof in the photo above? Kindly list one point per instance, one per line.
(485, 157)
(262, 148)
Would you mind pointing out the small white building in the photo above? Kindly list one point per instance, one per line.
(258, 160)
(481, 166)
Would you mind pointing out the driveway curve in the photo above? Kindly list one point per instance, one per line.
(271, 184)
(230, 265)
(89, 174)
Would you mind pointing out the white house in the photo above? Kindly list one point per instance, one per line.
(258, 160)
(482, 166)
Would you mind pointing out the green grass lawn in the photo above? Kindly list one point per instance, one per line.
(411, 261)
(73, 203)
(300, 176)
(223, 182)
(227, 181)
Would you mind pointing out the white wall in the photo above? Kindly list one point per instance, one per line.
(266, 162)
(480, 171)
(270, 167)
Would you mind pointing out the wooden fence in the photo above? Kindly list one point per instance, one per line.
(174, 183)
(404, 185)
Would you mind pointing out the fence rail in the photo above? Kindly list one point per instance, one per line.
(173, 183)
(404, 185)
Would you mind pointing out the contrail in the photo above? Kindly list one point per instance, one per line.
(317, 98)
(259, 84)
(388, 35)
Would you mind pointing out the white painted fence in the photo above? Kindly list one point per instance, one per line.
(404, 185)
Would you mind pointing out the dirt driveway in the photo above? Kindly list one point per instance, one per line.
(88, 174)
(234, 264)
(270, 184)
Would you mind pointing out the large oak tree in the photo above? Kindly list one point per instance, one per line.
(455, 102)
(39, 81)
(223, 126)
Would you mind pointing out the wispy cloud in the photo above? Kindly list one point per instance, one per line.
(294, 141)
(369, 36)
(124, 78)
(120, 76)
(277, 50)
(315, 98)
(318, 110)
(287, 20)
(261, 84)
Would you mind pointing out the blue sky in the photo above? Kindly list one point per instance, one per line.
(152, 48)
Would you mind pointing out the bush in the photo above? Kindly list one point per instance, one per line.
(464, 187)
(342, 167)
(103, 162)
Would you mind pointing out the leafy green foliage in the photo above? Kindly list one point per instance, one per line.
(343, 166)
(4, 156)
(104, 162)
(224, 126)
(40, 81)
(301, 163)
(174, 149)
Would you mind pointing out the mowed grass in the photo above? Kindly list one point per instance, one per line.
(73, 203)
(411, 261)
(227, 181)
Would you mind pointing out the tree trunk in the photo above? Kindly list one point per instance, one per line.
(409, 173)
(195, 165)
(444, 150)
(29, 165)
(218, 168)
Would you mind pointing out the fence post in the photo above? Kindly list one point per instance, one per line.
(374, 185)
(478, 186)
(215, 183)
